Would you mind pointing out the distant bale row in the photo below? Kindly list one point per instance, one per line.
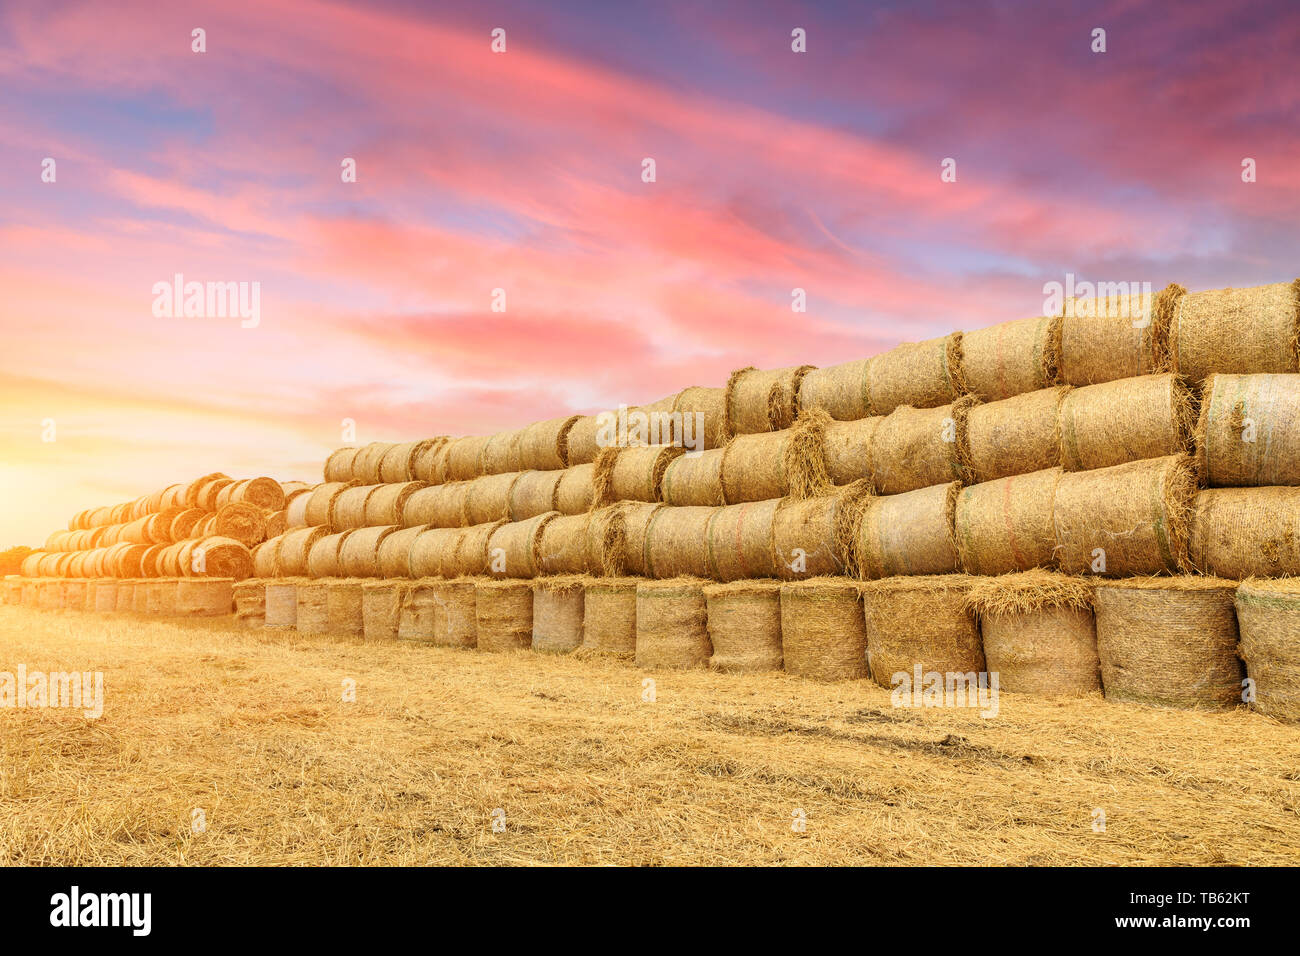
(171, 597)
(208, 494)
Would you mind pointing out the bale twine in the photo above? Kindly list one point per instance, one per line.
(744, 621)
(338, 466)
(488, 498)
(395, 553)
(455, 622)
(1038, 632)
(1126, 519)
(677, 542)
(557, 614)
(632, 474)
(739, 541)
(1236, 330)
(249, 598)
(433, 552)
(533, 494)
(323, 558)
(513, 548)
(763, 400)
(431, 461)
(544, 446)
(846, 448)
(381, 608)
(438, 506)
(266, 558)
(1006, 525)
(503, 614)
(710, 430)
(105, 595)
(1015, 436)
(921, 622)
(563, 546)
(366, 464)
(609, 617)
(359, 552)
(281, 603)
(822, 634)
(319, 509)
(243, 522)
(1012, 358)
(1169, 641)
(1099, 342)
(921, 374)
(386, 505)
(419, 608)
(204, 597)
(295, 512)
(694, 479)
(921, 447)
(312, 615)
(1249, 430)
(464, 457)
(912, 533)
(574, 491)
(343, 607)
(398, 463)
(672, 624)
(349, 507)
(1268, 613)
(1241, 533)
(471, 553)
(840, 391)
(1108, 424)
(814, 536)
(125, 596)
(583, 439)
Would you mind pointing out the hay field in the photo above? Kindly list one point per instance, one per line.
(250, 727)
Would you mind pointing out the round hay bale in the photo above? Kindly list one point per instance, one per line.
(349, 508)
(419, 609)
(204, 597)
(513, 548)
(30, 564)
(557, 614)
(210, 492)
(502, 453)
(73, 595)
(244, 523)
(264, 493)
(1099, 342)
(359, 552)
(438, 506)
(920, 623)
(920, 374)
(846, 449)
(1268, 613)
(1169, 641)
(609, 617)
(431, 461)
(912, 533)
(758, 467)
(323, 557)
(571, 544)
(744, 620)
(470, 555)
(339, 465)
(574, 491)
(218, 557)
(533, 494)
(381, 608)
(544, 446)
(763, 400)
(503, 614)
(169, 562)
(840, 391)
(295, 510)
(398, 464)
(249, 598)
(125, 596)
(137, 532)
(921, 447)
(343, 608)
(739, 541)
(294, 548)
(1241, 533)
(694, 479)
(366, 464)
(1249, 430)
(205, 526)
(280, 603)
(465, 457)
(277, 523)
(1124, 520)
(454, 618)
(1038, 632)
(1237, 331)
(632, 474)
(184, 522)
(319, 509)
(142, 594)
(1012, 358)
(433, 552)
(387, 504)
(704, 416)
(190, 497)
(621, 529)
(488, 498)
(583, 439)
(395, 553)
(266, 558)
(1015, 436)
(1108, 424)
(814, 536)
(822, 634)
(1006, 525)
(312, 614)
(105, 595)
(672, 624)
(677, 542)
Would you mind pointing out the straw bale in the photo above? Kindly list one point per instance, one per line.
(609, 617)
(419, 609)
(1015, 436)
(533, 493)
(217, 557)
(920, 447)
(395, 553)
(822, 634)
(266, 558)
(381, 608)
(1237, 331)
(920, 622)
(911, 533)
(1012, 358)
(920, 374)
(438, 506)
(565, 545)
(431, 461)
(464, 457)
(312, 615)
(105, 595)
(846, 448)
(433, 552)
(244, 523)
(744, 621)
(503, 614)
(622, 530)
(264, 493)
(280, 603)
(814, 536)
(488, 498)
(296, 510)
(294, 549)
(582, 440)
(125, 596)
(319, 510)
(73, 595)
(210, 492)
(544, 446)
(1245, 532)
(249, 598)
(1128, 420)
(761, 400)
(1169, 641)
(277, 523)
(190, 496)
(1006, 525)
(349, 508)
(1132, 517)
(359, 552)
(1099, 342)
(1268, 613)
(711, 430)
(387, 504)
(339, 464)
(398, 463)
(574, 492)
(471, 553)
(557, 614)
(677, 542)
(366, 464)
(739, 541)
(344, 607)
(694, 479)
(455, 620)
(672, 624)
(840, 390)
(1249, 430)
(501, 453)
(632, 474)
(514, 548)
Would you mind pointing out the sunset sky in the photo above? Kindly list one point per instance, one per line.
(522, 171)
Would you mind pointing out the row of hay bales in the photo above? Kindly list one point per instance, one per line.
(1181, 641)
(211, 556)
(171, 597)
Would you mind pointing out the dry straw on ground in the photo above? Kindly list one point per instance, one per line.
(822, 632)
(1006, 525)
(503, 613)
(672, 624)
(1038, 632)
(762, 400)
(1015, 436)
(1101, 343)
(920, 447)
(911, 533)
(1170, 641)
(1245, 532)
(1249, 430)
(1268, 613)
(840, 390)
(1012, 358)
(609, 617)
(694, 479)
(1236, 330)
(744, 622)
(1108, 424)
(921, 374)
(1131, 518)
(739, 541)
(557, 614)
(677, 542)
